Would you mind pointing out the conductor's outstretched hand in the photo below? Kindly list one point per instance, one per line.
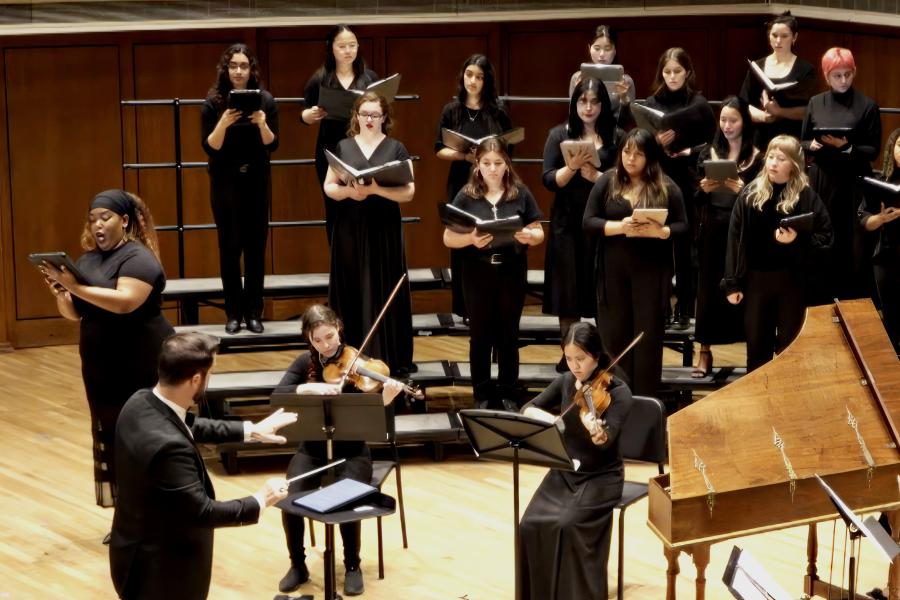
(264, 431)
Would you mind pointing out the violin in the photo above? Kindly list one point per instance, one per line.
(593, 396)
(367, 374)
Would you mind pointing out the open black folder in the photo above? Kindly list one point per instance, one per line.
(339, 103)
(460, 221)
(465, 144)
(693, 125)
(391, 174)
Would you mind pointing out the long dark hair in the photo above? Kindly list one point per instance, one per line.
(328, 71)
(605, 125)
(314, 316)
(585, 336)
(490, 104)
(679, 55)
(219, 91)
(720, 144)
(654, 194)
(475, 187)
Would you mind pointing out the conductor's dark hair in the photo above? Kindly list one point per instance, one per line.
(603, 31)
(328, 71)
(654, 193)
(219, 91)
(785, 18)
(605, 125)
(721, 144)
(585, 336)
(490, 104)
(183, 355)
(679, 55)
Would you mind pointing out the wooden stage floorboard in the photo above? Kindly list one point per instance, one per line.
(459, 511)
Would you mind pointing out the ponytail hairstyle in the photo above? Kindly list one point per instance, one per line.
(604, 31)
(585, 336)
(140, 222)
(218, 93)
(654, 194)
(785, 18)
(760, 190)
(476, 188)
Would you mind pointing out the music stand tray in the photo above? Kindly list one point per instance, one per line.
(507, 436)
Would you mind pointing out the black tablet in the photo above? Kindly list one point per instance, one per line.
(246, 101)
(58, 260)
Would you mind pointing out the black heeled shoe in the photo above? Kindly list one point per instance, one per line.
(703, 370)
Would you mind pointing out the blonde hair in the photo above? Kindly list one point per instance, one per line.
(139, 228)
(759, 191)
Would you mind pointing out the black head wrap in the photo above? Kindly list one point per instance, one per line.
(118, 201)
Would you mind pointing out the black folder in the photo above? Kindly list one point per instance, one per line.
(246, 101)
(838, 132)
(460, 221)
(391, 174)
(465, 144)
(338, 103)
(720, 170)
(339, 494)
(802, 223)
(693, 125)
(58, 260)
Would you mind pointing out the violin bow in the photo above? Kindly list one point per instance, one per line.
(612, 364)
(375, 325)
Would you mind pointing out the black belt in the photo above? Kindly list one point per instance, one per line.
(243, 168)
(497, 258)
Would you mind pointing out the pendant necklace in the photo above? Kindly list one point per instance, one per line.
(471, 116)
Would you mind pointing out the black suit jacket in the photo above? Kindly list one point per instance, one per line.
(162, 535)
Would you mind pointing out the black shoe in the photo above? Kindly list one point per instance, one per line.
(681, 323)
(232, 326)
(294, 578)
(353, 582)
(254, 325)
(106, 538)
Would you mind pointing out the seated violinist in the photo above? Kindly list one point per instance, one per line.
(311, 373)
(565, 531)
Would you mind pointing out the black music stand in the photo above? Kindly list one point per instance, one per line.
(746, 579)
(342, 417)
(507, 436)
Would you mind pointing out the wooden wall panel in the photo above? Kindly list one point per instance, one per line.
(65, 146)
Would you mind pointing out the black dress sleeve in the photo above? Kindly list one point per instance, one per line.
(209, 116)
(594, 220)
(296, 374)
(271, 109)
(676, 218)
(552, 395)
(142, 265)
(530, 210)
(553, 157)
(445, 122)
(822, 236)
(311, 93)
(735, 258)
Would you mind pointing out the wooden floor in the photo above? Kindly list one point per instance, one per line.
(459, 511)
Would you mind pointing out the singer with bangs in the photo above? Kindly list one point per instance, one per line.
(589, 136)
(119, 311)
(633, 264)
(767, 260)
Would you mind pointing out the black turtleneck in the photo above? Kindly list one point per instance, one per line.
(764, 253)
(847, 109)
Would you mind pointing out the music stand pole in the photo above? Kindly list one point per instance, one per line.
(855, 535)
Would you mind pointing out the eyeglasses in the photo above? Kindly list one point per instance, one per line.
(238, 66)
(370, 116)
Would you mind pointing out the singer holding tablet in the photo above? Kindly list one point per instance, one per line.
(368, 256)
(344, 68)
(122, 327)
(495, 271)
(323, 331)
(766, 262)
(781, 112)
(879, 212)
(719, 321)
(840, 160)
(674, 92)
(569, 289)
(566, 529)
(239, 183)
(602, 50)
(634, 259)
(475, 112)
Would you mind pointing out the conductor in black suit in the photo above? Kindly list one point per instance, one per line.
(162, 534)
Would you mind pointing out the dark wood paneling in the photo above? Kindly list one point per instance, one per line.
(65, 146)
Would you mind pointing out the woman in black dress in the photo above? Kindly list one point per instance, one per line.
(566, 528)
(719, 321)
(344, 68)
(634, 257)
(476, 112)
(569, 289)
(674, 92)
(495, 271)
(780, 113)
(879, 212)
(323, 331)
(239, 149)
(602, 50)
(839, 162)
(122, 327)
(368, 256)
(766, 263)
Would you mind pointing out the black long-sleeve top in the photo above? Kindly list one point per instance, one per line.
(848, 109)
(797, 95)
(332, 130)
(752, 244)
(243, 140)
(702, 123)
(887, 250)
(602, 459)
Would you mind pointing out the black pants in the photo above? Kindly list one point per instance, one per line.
(887, 280)
(495, 295)
(310, 456)
(773, 314)
(240, 203)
